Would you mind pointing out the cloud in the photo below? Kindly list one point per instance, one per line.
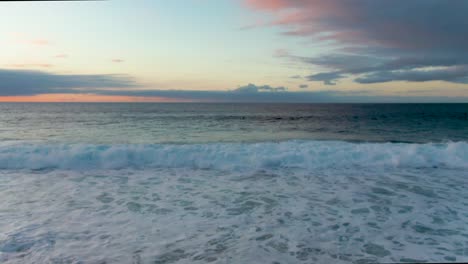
(237, 96)
(31, 82)
(117, 60)
(61, 56)
(377, 40)
(303, 86)
(331, 96)
(39, 42)
(25, 39)
(384, 69)
(28, 82)
(252, 88)
(453, 74)
(279, 53)
(295, 77)
(328, 78)
(413, 24)
(31, 65)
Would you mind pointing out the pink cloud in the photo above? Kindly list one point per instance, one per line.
(267, 4)
(25, 39)
(39, 42)
(61, 56)
(391, 24)
(309, 17)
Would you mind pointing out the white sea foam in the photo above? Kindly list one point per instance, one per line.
(234, 156)
(183, 216)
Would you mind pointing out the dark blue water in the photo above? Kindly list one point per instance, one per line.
(200, 123)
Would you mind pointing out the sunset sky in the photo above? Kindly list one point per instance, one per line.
(234, 50)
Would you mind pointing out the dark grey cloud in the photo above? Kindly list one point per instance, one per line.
(21, 82)
(328, 78)
(378, 40)
(352, 63)
(303, 86)
(450, 67)
(252, 88)
(295, 77)
(30, 82)
(416, 24)
(457, 75)
(385, 69)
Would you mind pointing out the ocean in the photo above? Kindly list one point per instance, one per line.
(233, 183)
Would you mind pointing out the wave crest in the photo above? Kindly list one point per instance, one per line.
(234, 156)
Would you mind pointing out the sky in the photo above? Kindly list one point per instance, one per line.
(234, 51)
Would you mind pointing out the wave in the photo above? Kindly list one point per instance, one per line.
(235, 156)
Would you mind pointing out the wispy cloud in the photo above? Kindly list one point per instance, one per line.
(280, 53)
(30, 65)
(38, 42)
(25, 39)
(61, 56)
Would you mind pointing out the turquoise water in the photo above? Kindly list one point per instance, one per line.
(233, 183)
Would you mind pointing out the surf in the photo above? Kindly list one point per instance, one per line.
(300, 154)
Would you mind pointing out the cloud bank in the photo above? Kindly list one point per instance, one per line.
(378, 40)
(30, 82)
(27, 82)
(252, 88)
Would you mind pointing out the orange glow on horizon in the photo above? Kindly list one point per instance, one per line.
(92, 98)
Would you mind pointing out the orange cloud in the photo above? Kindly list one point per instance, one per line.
(267, 4)
(87, 98)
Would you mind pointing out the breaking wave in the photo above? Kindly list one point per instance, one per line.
(234, 156)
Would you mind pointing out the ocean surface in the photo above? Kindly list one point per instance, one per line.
(233, 183)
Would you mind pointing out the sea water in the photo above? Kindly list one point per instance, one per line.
(233, 183)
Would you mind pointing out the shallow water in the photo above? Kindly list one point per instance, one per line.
(199, 216)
